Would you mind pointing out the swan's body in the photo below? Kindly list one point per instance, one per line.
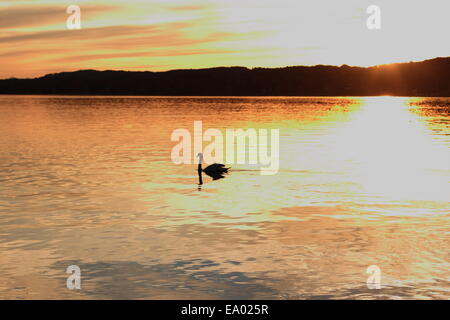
(215, 170)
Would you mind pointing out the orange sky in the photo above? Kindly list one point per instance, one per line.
(170, 34)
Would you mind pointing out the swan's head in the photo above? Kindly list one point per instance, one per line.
(200, 158)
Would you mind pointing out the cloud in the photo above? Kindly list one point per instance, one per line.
(28, 53)
(170, 38)
(119, 37)
(188, 8)
(173, 53)
(33, 16)
(82, 34)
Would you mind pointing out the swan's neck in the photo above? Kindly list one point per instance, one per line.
(200, 163)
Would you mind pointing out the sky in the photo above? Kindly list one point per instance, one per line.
(158, 35)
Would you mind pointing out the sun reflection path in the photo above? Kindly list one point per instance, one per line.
(394, 154)
(378, 158)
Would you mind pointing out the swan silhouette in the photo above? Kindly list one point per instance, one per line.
(216, 171)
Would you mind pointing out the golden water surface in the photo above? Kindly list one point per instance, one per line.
(89, 181)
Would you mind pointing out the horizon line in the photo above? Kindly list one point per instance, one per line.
(224, 67)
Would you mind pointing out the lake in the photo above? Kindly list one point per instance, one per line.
(89, 181)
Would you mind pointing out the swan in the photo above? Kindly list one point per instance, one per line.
(215, 170)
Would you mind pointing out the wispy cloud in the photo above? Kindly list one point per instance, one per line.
(93, 34)
(174, 53)
(188, 8)
(33, 16)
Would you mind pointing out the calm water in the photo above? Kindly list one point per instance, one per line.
(89, 181)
